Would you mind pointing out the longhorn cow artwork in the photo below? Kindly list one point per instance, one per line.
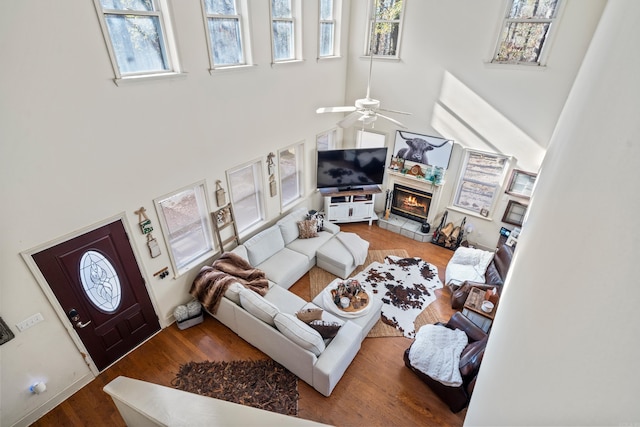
(423, 149)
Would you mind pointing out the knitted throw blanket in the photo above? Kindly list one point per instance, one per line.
(212, 281)
(436, 352)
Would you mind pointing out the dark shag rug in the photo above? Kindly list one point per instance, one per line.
(262, 384)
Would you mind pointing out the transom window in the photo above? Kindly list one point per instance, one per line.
(291, 165)
(479, 182)
(225, 27)
(327, 28)
(138, 33)
(285, 34)
(247, 195)
(186, 225)
(384, 37)
(525, 31)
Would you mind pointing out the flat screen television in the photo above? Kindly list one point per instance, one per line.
(351, 169)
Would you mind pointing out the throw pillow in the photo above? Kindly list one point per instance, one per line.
(309, 314)
(308, 228)
(325, 329)
(300, 333)
(319, 217)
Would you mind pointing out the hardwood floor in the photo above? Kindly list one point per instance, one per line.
(376, 390)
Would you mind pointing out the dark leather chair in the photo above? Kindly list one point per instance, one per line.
(458, 397)
(494, 277)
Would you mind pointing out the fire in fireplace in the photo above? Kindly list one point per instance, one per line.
(410, 203)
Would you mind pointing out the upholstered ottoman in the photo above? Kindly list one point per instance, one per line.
(334, 256)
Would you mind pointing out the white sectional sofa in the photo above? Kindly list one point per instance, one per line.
(269, 323)
(279, 252)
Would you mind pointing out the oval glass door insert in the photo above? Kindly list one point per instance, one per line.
(100, 281)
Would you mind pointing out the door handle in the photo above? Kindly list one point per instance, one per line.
(74, 316)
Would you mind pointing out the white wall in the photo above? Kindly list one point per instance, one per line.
(76, 149)
(444, 79)
(564, 346)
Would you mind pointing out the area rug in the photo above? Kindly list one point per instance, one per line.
(262, 384)
(395, 321)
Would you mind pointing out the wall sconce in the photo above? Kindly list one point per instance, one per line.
(38, 388)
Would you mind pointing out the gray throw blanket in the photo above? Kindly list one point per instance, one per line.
(212, 281)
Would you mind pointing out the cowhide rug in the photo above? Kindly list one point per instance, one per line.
(406, 287)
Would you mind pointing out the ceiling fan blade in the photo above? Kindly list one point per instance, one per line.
(335, 109)
(394, 111)
(391, 120)
(349, 120)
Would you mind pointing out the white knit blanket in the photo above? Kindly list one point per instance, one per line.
(356, 245)
(436, 352)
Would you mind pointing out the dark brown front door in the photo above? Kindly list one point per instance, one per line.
(96, 279)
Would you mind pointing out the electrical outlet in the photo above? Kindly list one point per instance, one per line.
(31, 321)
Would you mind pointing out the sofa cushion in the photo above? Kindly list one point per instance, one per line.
(285, 267)
(300, 333)
(308, 228)
(258, 306)
(287, 302)
(310, 247)
(263, 245)
(233, 292)
(289, 224)
(241, 251)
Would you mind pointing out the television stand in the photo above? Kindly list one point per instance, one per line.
(340, 189)
(350, 204)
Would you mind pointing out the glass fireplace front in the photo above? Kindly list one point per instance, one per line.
(410, 203)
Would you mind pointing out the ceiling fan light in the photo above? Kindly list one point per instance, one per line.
(368, 119)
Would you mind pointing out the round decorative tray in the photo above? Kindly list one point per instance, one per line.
(358, 298)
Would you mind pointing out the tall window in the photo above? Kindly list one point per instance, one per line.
(186, 224)
(285, 34)
(247, 196)
(138, 37)
(291, 165)
(525, 31)
(225, 26)
(480, 180)
(327, 28)
(384, 36)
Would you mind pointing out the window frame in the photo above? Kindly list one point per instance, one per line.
(201, 193)
(299, 153)
(487, 209)
(331, 136)
(544, 44)
(242, 12)
(258, 193)
(335, 22)
(296, 32)
(167, 37)
(371, 18)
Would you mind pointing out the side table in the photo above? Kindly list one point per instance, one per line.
(473, 311)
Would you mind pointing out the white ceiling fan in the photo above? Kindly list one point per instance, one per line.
(365, 110)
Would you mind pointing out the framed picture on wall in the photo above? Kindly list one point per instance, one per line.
(521, 183)
(514, 213)
(423, 149)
